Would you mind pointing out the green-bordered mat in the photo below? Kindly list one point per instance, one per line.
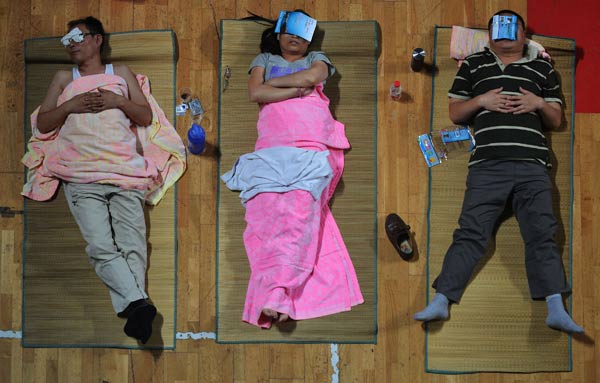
(64, 303)
(352, 47)
(496, 326)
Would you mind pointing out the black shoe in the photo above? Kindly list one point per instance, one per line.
(139, 320)
(398, 233)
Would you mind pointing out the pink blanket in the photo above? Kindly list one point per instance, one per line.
(298, 120)
(298, 260)
(104, 148)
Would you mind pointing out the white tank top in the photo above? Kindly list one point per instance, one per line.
(107, 70)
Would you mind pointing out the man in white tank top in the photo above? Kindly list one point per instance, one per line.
(111, 219)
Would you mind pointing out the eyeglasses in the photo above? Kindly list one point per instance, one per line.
(74, 36)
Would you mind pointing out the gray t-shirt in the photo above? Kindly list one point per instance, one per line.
(277, 66)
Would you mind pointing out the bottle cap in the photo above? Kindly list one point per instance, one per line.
(396, 83)
(418, 53)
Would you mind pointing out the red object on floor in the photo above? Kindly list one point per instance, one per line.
(576, 19)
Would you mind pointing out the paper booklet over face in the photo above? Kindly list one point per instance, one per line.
(296, 23)
(504, 27)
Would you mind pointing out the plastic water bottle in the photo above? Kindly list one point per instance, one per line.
(196, 139)
(418, 59)
(396, 90)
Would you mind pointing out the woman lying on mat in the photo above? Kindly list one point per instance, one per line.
(300, 267)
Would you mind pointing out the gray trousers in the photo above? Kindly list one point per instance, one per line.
(112, 223)
(490, 185)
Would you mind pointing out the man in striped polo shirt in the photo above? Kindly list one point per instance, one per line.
(509, 96)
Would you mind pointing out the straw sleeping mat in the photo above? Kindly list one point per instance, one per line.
(496, 326)
(352, 47)
(64, 303)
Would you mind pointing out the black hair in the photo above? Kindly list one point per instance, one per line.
(93, 25)
(509, 11)
(268, 40)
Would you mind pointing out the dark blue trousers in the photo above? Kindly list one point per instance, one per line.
(490, 185)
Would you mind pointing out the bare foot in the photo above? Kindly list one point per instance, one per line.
(270, 313)
(275, 316)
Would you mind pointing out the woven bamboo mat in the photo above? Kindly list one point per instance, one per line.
(64, 303)
(496, 326)
(352, 48)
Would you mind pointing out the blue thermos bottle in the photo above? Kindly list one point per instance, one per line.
(196, 139)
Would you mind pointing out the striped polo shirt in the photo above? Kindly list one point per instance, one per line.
(507, 135)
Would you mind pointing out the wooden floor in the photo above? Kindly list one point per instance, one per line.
(399, 354)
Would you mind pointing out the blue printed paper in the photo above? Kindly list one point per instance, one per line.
(296, 23)
(461, 133)
(428, 150)
(504, 27)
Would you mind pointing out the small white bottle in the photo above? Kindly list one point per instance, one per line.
(396, 90)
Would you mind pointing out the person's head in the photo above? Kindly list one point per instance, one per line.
(275, 43)
(503, 44)
(93, 39)
(506, 12)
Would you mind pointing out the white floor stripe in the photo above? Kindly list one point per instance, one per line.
(196, 335)
(10, 334)
(335, 358)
